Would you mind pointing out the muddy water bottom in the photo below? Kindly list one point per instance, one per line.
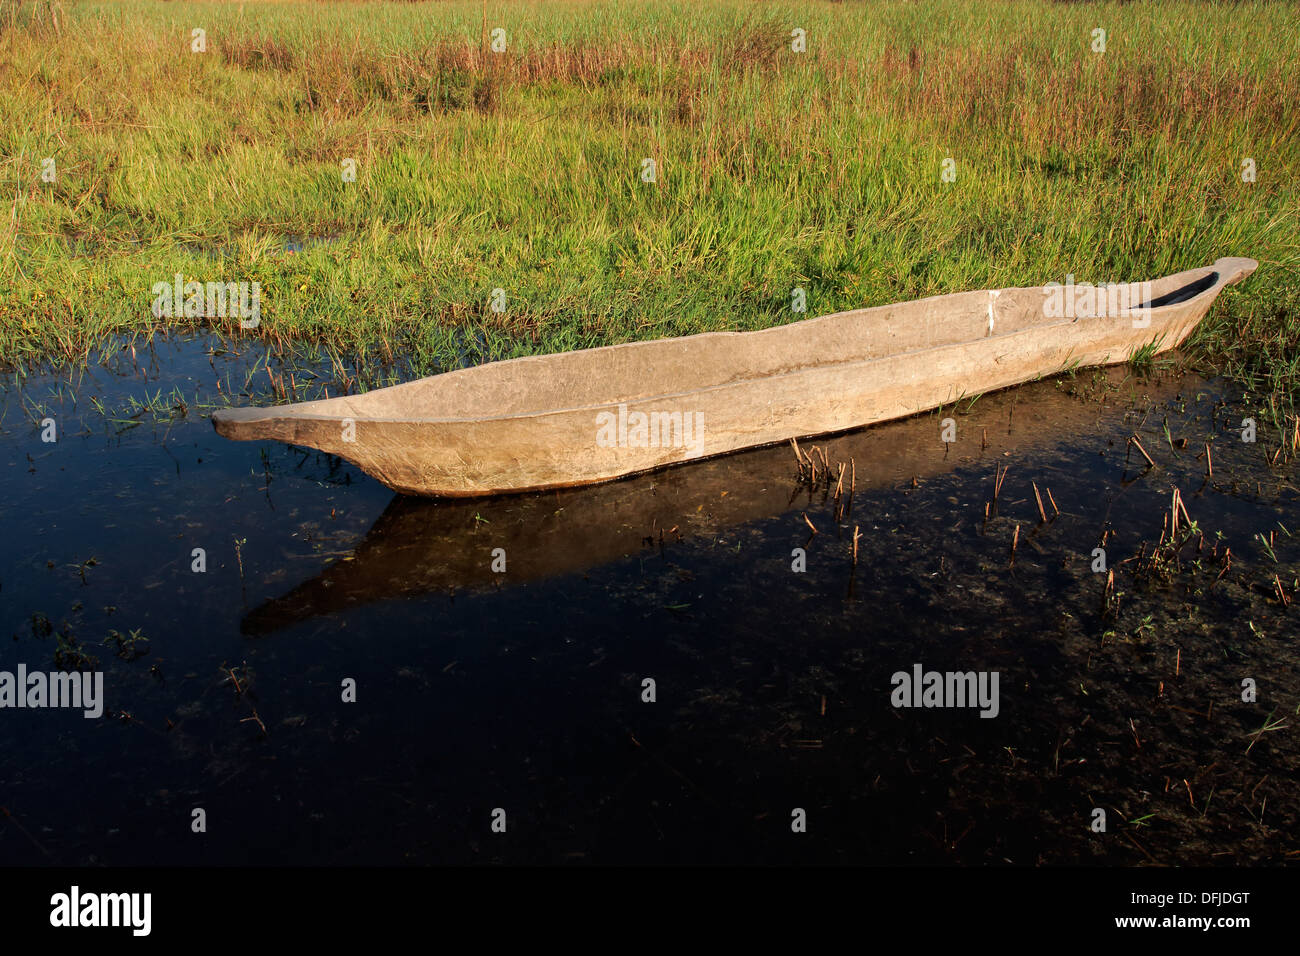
(772, 653)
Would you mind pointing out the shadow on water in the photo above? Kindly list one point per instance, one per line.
(772, 652)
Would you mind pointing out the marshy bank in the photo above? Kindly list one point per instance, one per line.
(380, 170)
(1120, 689)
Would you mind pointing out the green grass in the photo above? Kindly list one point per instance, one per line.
(520, 170)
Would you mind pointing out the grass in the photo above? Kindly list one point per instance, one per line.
(521, 170)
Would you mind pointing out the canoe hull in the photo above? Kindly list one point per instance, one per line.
(815, 395)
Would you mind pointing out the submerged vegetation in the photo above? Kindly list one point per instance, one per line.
(524, 170)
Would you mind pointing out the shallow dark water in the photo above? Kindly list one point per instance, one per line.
(478, 690)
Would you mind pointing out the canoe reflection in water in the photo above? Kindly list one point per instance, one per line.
(424, 546)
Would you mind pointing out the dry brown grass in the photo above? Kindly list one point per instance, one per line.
(258, 52)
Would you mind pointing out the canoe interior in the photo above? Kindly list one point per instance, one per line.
(1183, 293)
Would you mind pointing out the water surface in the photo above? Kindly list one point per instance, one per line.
(522, 690)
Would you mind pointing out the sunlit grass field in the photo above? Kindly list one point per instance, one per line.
(525, 170)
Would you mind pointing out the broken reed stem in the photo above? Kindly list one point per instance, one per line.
(856, 535)
(1133, 439)
(839, 486)
(809, 523)
(1056, 511)
(1015, 540)
(1042, 513)
(1209, 462)
(259, 722)
(999, 476)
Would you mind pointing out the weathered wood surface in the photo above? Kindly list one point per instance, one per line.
(571, 419)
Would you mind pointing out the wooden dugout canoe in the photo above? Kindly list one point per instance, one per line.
(577, 418)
